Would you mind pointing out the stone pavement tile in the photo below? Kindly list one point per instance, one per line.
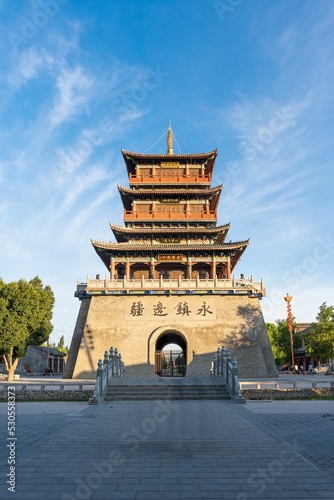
(128, 495)
(199, 494)
(163, 495)
(230, 487)
(60, 488)
(135, 456)
(178, 487)
(328, 495)
(137, 487)
(160, 480)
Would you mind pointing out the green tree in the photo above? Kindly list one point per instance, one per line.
(61, 342)
(25, 318)
(279, 337)
(61, 345)
(278, 352)
(319, 341)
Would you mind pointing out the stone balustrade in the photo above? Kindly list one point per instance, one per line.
(225, 366)
(111, 366)
(171, 286)
(287, 385)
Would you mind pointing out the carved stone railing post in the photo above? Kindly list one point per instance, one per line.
(218, 361)
(234, 371)
(227, 371)
(115, 362)
(112, 366)
(223, 358)
(226, 366)
(99, 375)
(105, 365)
(119, 365)
(111, 361)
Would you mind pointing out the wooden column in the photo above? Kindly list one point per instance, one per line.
(112, 268)
(152, 268)
(127, 269)
(213, 269)
(228, 268)
(189, 267)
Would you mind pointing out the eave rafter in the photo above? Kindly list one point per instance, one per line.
(172, 191)
(233, 250)
(153, 230)
(102, 245)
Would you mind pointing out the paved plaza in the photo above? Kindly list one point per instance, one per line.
(172, 449)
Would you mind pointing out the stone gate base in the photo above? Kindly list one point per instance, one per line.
(138, 325)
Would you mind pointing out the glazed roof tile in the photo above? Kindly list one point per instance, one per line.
(173, 191)
(102, 245)
(169, 157)
(149, 230)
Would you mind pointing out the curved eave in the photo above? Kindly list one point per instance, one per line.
(103, 256)
(144, 156)
(234, 249)
(156, 192)
(123, 233)
(237, 256)
(149, 230)
(126, 200)
(139, 247)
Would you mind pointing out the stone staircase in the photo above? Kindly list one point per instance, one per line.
(152, 392)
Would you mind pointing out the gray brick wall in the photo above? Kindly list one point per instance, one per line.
(131, 324)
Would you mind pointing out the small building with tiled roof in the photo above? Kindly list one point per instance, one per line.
(42, 360)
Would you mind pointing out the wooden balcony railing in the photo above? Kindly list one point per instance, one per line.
(204, 215)
(167, 178)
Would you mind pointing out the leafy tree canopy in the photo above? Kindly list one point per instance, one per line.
(279, 337)
(278, 351)
(319, 341)
(25, 317)
(60, 346)
(61, 342)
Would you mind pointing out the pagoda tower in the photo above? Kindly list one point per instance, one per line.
(170, 277)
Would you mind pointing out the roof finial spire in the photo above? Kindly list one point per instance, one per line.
(170, 140)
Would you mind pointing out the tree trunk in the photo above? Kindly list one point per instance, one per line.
(10, 365)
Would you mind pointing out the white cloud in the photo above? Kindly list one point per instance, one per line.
(83, 182)
(84, 213)
(74, 91)
(28, 66)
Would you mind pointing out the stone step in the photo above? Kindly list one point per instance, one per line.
(165, 391)
(151, 392)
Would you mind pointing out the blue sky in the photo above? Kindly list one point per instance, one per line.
(82, 79)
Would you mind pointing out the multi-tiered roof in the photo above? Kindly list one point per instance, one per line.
(170, 216)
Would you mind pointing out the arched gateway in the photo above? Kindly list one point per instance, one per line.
(171, 270)
(171, 354)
